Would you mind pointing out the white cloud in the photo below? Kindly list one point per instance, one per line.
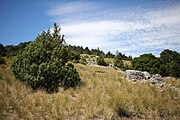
(131, 32)
(72, 8)
(168, 16)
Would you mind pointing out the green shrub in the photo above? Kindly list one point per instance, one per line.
(43, 63)
(74, 55)
(147, 62)
(100, 61)
(83, 61)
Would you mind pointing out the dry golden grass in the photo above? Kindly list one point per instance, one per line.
(127, 62)
(173, 81)
(103, 94)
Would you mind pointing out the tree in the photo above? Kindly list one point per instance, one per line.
(87, 51)
(43, 63)
(2, 50)
(118, 61)
(147, 62)
(110, 55)
(97, 52)
(168, 56)
(171, 63)
(122, 56)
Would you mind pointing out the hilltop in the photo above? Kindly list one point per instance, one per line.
(102, 94)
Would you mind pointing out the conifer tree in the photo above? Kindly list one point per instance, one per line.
(43, 63)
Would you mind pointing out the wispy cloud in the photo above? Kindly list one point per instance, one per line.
(133, 31)
(71, 8)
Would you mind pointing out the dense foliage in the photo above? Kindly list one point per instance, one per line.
(123, 56)
(2, 50)
(167, 65)
(43, 63)
(109, 55)
(11, 50)
(83, 61)
(74, 55)
(100, 61)
(147, 62)
(170, 63)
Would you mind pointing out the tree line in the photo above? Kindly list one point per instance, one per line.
(73, 55)
(168, 64)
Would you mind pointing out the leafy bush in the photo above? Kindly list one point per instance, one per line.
(147, 62)
(74, 55)
(100, 61)
(83, 60)
(43, 63)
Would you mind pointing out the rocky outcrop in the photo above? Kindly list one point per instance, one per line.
(136, 76)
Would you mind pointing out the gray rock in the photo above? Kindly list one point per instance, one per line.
(146, 75)
(133, 74)
(156, 77)
(153, 81)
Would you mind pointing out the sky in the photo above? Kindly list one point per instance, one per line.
(133, 27)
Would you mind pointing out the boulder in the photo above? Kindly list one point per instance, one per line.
(133, 74)
(156, 79)
(146, 75)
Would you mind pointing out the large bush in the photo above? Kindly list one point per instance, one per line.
(43, 63)
(167, 65)
(74, 55)
(100, 61)
(147, 62)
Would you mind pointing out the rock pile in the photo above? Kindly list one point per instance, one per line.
(137, 76)
(134, 74)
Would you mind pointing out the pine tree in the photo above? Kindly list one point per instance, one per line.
(43, 63)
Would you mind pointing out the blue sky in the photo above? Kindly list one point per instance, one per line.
(133, 27)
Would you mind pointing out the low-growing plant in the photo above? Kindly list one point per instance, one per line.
(74, 55)
(83, 61)
(43, 63)
(100, 61)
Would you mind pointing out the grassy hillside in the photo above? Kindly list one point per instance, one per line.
(107, 60)
(103, 94)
